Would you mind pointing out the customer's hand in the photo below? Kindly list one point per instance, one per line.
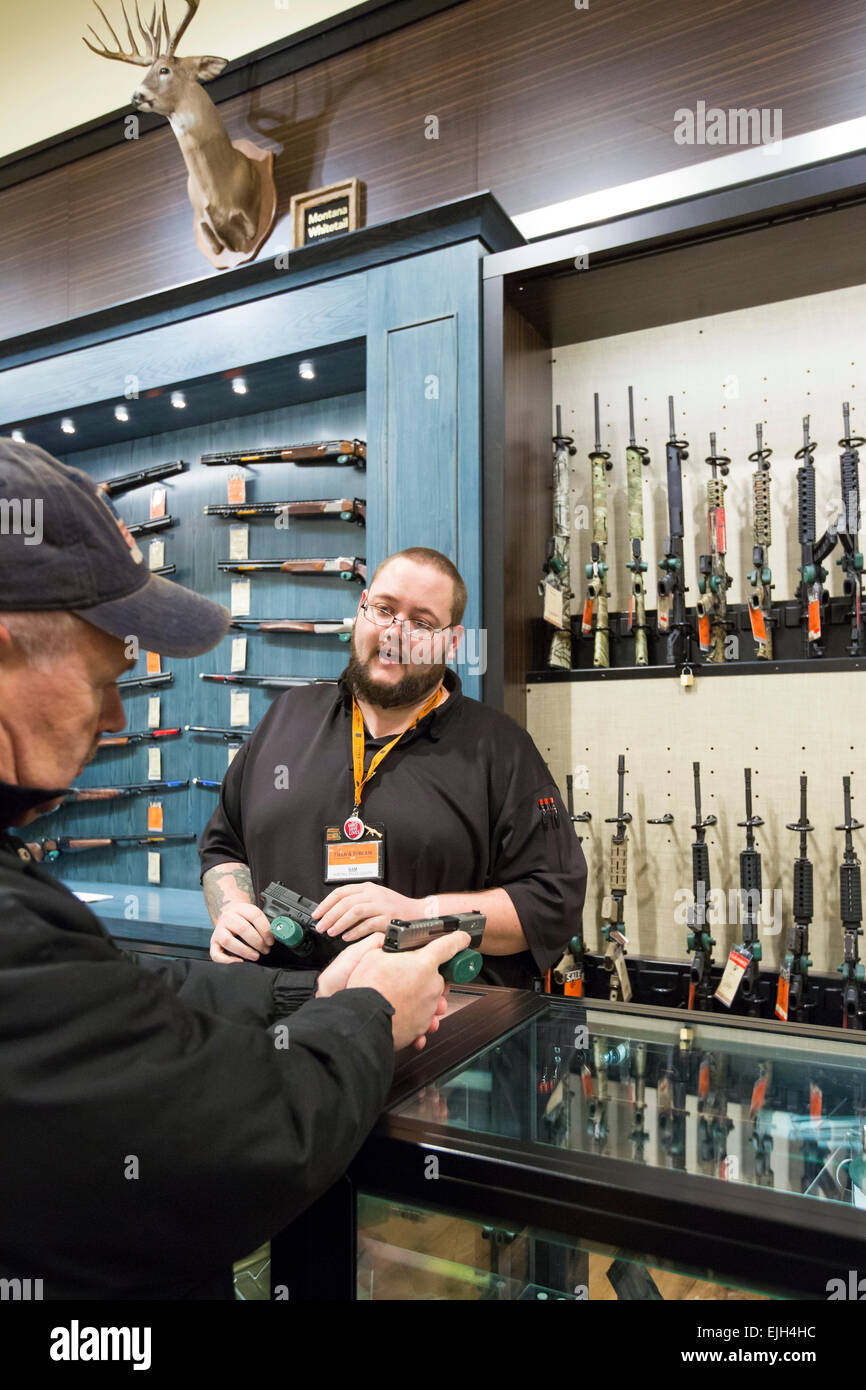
(242, 932)
(339, 972)
(411, 983)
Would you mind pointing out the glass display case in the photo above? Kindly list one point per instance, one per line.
(546, 1148)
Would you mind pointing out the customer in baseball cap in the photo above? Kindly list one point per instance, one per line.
(104, 1053)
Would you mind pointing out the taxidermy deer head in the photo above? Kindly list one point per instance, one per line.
(231, 183)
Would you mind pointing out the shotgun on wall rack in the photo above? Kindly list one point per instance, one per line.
(352, 451)
(348, 567)
(346, 508)
(142, 476)
(144, 528)
(65, 844)
(338, 627)
(142, 682)
(230, 735)
(265, 681)
(144, 736)
(79, 794)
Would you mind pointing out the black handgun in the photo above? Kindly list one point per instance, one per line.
(290, 916)
(410, 936)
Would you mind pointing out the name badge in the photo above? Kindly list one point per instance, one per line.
(354, 850)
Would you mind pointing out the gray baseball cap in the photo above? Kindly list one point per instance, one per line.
(63, 546)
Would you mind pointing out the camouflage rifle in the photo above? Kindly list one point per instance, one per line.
(713, 579)
(760, 578)
(557, 564)
(636, 458)
(596, 570)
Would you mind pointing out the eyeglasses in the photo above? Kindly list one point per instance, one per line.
(381, 616)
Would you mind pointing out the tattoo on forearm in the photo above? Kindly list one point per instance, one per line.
(216, 897)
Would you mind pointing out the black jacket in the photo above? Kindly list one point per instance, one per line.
(155, 1125)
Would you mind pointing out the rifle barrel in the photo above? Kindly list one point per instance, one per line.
(631, 438)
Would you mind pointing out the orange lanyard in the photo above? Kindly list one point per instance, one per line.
(358, 744)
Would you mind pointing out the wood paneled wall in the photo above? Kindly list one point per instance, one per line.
(536, 100)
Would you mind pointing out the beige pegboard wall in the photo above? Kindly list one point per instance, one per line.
(779, 726)
(774, 363)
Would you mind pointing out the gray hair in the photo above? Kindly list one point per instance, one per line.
(42, 637)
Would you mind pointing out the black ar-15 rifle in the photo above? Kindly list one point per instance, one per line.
(750, 899)
(814, 598)
(851, 559)
(791, 999)
(851, 905)
(761, 578)
(612, 905)
(700, 943)
(672, 585)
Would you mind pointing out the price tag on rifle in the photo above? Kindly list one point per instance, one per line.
(156, 555)
(153, 663)
(240, 600)
(237, 488)
(154, 818)
(704, 631)
(737, 964)
(573, 983)
(239, 542)
(663, 612)
(239, 654)
(782, 994)
(153, 712)
(233, 750)
(553, 606)
(759, 627)
(240, 707)
(153, 865)
(157, 503)
(154, 764)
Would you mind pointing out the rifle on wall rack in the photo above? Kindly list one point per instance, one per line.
(76, 795)
(612, 905)
(142, 476)
(596, 570)
(278, 682)
(700, 943)
(557, 564)
(144, 528)
(814, 598)
(636, 459)
(713, 579)
(338, 627)
(672, 585)
(144, 736)
(229, 735)
(146, 682)
(791, 1001)
(347, 567)
(49, 850)
(851, 908)
(351, 451)
(346, 508)
(851, 559)
(761, 578)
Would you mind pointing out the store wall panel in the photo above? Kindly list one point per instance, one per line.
(539, 102)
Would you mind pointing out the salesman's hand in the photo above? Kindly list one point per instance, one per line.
(242, 932)
(358, 909)
(411, 983)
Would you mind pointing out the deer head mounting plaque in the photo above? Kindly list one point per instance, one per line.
(231, 182)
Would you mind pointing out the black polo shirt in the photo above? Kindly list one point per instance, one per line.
(457, 798)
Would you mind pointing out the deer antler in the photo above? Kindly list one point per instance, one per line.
(174, 40)
(152, 36)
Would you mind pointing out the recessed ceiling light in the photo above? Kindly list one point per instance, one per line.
(67, 426)
(18, 437)
(121, 413)
(239, 386)
(178, 400)
(307, 371)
